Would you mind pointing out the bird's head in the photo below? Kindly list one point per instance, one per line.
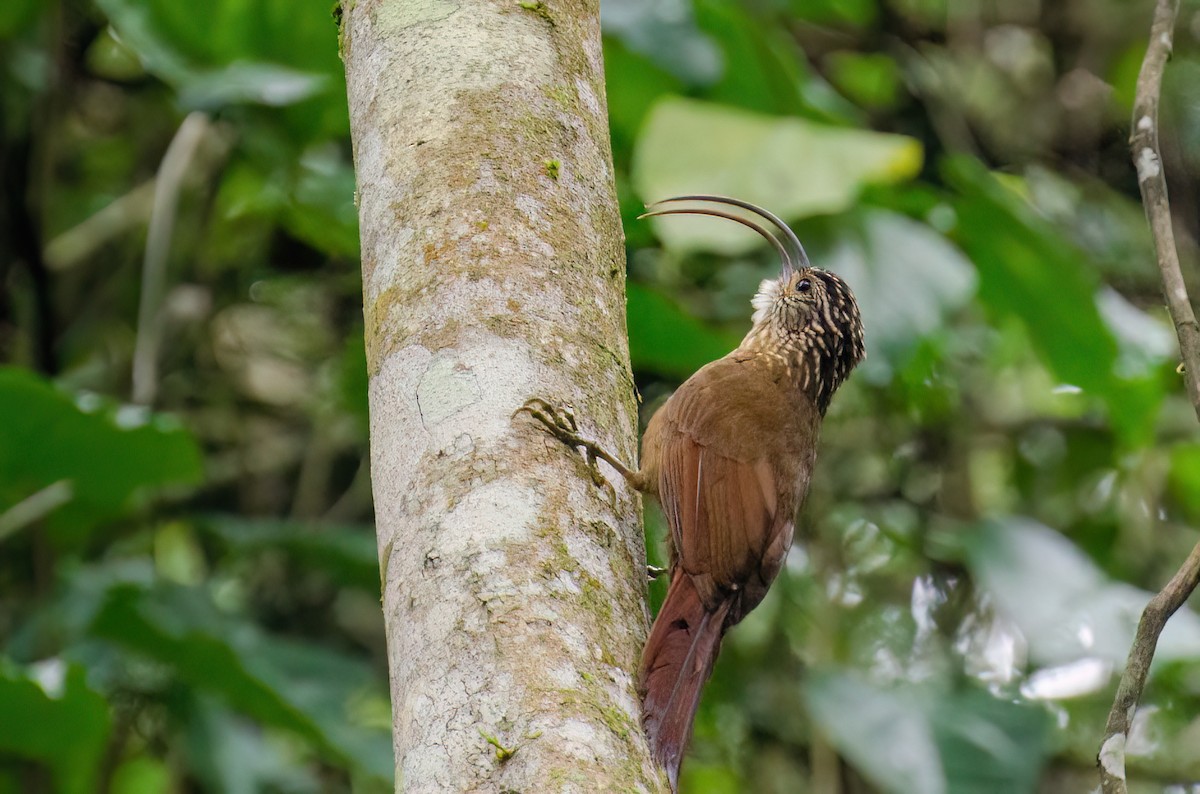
(808, 315)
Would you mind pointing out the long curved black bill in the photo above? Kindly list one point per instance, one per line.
(795, 258)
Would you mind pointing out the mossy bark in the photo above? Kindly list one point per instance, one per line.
(513, 589)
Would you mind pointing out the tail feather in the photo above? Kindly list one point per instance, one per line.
(678, 659)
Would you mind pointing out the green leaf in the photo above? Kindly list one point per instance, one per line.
(1145, 343)
(49, 715)
(856, 13)
(873, 79)
(310, 193)
(908, 280)
(293, 685)
(884, 734)
(17, 15)
(1029, 272)
(1063, 604)
(269, 52)
(136, 27)
(988, 744)
(1184, 479)
(173, 36)
(110, 58)
(231, 755)
(261, 83)
(767, 71)
(794, 167)
(105, 456)
(633, 84)
(916, 739)
(666, 34)
(349, 554)
(665, 339)
(1108, 226)
(141, 775)
(321, 208)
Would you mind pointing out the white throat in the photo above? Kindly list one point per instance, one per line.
(764, 299)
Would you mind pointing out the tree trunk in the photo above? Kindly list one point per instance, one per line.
(493, 271)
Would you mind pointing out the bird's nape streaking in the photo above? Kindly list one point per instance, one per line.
(729, 457)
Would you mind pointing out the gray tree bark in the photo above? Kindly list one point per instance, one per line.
(493, 271)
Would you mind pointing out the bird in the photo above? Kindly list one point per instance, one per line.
(729, 457)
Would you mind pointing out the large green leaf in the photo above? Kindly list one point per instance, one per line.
(633, 84)
(919, 740)
(794, 167)
(99, 458)
(349, 554)
(269, 52)
(49, 715)
(665, 339)
(766, 71)
(231, 755)
(989, 744)
(171, 36)
(17, 15)
(261, 83)
(884, 734)
(665, 33)
(908, 280)
(1063, 604)
(293, 685)
(1030, 272)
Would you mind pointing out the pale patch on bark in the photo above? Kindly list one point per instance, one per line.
(1112, 756)
(1147, 164)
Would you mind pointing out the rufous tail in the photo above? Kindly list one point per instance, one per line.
(678, 659)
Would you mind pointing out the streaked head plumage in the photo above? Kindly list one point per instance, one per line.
(810, 315)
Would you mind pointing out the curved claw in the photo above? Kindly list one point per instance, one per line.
(560, 423)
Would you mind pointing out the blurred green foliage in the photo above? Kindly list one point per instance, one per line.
(189, 595)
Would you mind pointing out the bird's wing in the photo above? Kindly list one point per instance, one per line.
(720, 511)
(731, 453)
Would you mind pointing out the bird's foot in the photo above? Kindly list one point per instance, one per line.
(560, 423)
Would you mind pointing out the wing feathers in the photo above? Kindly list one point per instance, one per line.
(721, 511)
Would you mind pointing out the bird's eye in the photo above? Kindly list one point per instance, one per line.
(804, 286)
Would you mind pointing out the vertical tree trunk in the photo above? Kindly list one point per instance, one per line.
(493, 271)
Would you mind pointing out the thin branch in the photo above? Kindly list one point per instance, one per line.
(74, 246)
(1152, 180)
(1137, 669)
(35, 507)
(171, 173)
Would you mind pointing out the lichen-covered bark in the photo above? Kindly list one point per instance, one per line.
(493, 272)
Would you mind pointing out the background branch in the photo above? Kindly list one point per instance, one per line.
(168, 186)
(73, 247)
(1153, 183)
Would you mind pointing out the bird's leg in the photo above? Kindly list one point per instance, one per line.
(560, 422)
